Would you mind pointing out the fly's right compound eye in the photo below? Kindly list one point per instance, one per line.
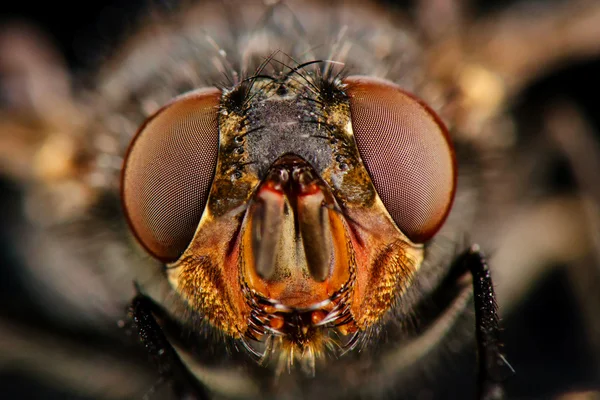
(168, 171)
(407, 151)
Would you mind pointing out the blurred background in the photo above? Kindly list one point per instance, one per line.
(552, 338)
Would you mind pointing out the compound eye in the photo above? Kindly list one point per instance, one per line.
(407, 152)
(168, 171)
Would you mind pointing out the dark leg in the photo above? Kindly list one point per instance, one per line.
(169, 365)
(493, 367)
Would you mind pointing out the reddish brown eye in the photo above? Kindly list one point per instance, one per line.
(407, 151)
(168, 172)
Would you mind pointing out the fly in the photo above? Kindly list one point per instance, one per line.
(295, 195)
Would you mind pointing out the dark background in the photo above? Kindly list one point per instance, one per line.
(543, 339)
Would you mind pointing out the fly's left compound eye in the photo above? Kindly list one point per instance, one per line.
(406, 149)
(168, 172)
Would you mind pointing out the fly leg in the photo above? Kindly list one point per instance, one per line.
(493, 367)
(170, 367)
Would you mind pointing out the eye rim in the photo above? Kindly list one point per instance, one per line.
(206, 92)
(354, 81)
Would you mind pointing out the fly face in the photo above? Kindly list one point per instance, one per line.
(290, 209)
(293, 194)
